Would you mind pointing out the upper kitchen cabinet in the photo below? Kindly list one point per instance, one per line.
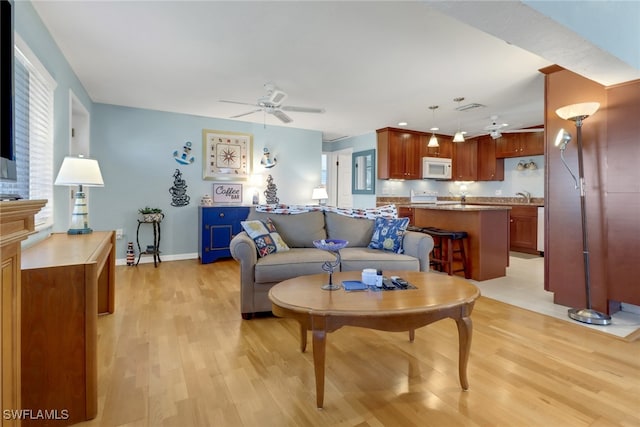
(490, 168)
(520, 144)
(465, 160)
(399, 154)
(444, 149)
(475, 160)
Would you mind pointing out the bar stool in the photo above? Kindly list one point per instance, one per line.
(442, 256)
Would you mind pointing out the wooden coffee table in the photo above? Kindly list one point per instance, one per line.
(438, 296)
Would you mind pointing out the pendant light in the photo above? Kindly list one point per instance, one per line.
(459, 136)
(433, 141)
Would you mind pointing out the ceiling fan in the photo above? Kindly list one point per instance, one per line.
(495, 129)
(271, 103)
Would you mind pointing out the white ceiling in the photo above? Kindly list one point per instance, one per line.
(369, 64)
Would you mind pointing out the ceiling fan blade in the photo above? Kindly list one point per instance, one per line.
(302, 109)
(245, 114)
(282, 116)
(238, 102)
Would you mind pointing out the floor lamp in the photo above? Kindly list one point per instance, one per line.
(577, 113)
(80, 171)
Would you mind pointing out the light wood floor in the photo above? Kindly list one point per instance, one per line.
(177, 353)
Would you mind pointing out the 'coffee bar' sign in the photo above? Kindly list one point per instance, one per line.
(227, 193)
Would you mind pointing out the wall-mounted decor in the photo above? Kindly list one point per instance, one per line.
(179, 190)
(226, 155)
(227, 193)
(184, 157)
(267, 161)
(270, 192)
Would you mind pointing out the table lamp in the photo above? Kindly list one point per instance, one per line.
(80, 171)
(319, 194)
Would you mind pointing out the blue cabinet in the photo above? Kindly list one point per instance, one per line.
(217, 226)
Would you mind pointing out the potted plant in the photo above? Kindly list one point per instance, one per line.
(151, 214)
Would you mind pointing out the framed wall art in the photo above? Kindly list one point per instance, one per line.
(226, 155)
(227, 193)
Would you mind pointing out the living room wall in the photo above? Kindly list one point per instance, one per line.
(135, 149)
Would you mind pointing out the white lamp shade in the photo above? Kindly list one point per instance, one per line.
(458, 137)
(562, 139)
(575, 111)
(79, 171)
(433, 141)
(319, 193)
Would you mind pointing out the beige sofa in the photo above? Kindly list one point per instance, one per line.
(259, 274)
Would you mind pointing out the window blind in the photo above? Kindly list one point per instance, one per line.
(34, 91)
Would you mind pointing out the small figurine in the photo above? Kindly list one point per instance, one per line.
(206, 200)
(131, 256)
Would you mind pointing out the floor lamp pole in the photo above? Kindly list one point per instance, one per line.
(585, 315)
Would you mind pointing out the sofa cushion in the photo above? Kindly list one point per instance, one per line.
(357, 259)
(357, 231)
(388, 233)
(265, 236)
(298, 231)
(293, 263)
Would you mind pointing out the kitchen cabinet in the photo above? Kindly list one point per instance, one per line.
(406, 212)
(520, 144)
(444, 149)
(489, 167)
(217, 226)
(523, 228)
(465, 160)
(399, 154)
(475, 160)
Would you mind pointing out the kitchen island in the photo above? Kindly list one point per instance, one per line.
(487, 227)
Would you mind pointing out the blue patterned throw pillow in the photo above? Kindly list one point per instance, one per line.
(388, 234)
(265, 236)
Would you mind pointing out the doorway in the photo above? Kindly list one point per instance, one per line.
(338, 175)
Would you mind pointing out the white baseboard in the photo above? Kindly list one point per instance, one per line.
(630, 308)
(149, 259)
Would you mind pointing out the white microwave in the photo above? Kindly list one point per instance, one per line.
(436, 168)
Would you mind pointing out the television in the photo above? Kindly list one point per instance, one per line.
(7, 139)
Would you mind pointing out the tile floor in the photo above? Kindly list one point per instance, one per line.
(523, 286)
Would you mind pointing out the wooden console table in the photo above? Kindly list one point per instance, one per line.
(67, 280)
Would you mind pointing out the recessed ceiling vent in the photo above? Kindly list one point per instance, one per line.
(470, 107)
(334, 138)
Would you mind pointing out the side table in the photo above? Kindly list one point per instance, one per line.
(150, 249)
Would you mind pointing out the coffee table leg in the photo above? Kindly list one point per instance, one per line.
(412, 335)
(319, 342)
(465, 328)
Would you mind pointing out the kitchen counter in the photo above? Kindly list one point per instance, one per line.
(471, 200)
(487, 227)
